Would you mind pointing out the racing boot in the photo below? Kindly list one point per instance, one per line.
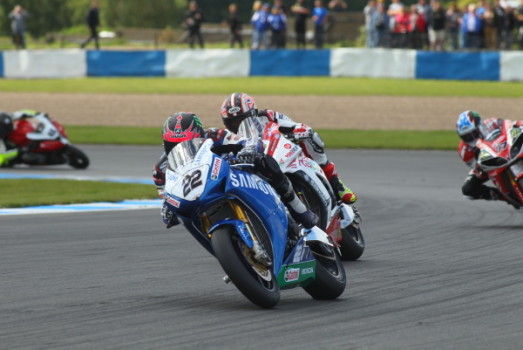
(297, 209)
(341, 191)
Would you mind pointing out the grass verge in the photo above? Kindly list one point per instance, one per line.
(30, 192)
(371, 139)
(269, 86)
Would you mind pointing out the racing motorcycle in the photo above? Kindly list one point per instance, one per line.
(339, 220)
(42, 141)
(238, 217)
(501, 157)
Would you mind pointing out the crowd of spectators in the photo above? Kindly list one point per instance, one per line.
(480, 26)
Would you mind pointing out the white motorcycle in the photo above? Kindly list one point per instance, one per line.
(339, 220)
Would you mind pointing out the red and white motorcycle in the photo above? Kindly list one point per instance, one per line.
(339, 220)
(42, 141)
(501, 157)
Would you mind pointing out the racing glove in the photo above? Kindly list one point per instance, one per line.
(168, 217)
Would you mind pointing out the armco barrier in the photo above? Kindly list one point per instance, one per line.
(458, 65)
(342, 62)
(125, 63)
(374, 63)
(69, 63)
(290, 63)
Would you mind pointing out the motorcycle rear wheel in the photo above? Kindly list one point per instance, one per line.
(229, 250)
(77, 158)
(330, 279)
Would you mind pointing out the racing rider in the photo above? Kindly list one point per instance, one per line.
(471, 128)
(183, 126)
(239, 106)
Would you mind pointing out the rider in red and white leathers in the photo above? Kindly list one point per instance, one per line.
(471, 128)
(239, 106)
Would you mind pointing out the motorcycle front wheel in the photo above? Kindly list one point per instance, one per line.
(255, 282)
(77, 158)
(352, 243)
(330, 279)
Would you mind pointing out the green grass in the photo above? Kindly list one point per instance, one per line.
(30, 192)
(373, 139)
(269, 86)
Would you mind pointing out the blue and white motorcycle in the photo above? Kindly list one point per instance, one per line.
(238, 218)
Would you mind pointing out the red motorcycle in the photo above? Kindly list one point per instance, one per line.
(501, 157)
(42, 141)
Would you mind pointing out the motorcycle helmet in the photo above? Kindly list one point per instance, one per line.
(179, 127)
(6, 124)
(236, 108)
(468, 127)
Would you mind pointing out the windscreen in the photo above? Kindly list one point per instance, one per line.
(184, 153)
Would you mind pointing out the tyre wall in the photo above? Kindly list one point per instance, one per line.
(342, 62)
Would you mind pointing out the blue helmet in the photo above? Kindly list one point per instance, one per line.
(468, 127)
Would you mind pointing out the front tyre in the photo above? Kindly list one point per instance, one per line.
(231, 252)
(77, 158)
(352, 243)
(330, 279)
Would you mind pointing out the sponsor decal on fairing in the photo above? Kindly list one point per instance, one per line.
(291, 275)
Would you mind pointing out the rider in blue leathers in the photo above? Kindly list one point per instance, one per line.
(183, 126)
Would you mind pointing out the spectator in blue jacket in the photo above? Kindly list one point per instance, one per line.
(471, 28)
(278, 23)
(319, 17)
(260, 24)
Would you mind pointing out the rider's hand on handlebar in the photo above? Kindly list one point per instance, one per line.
(248, 155)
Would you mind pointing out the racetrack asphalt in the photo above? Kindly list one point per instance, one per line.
(439, 272)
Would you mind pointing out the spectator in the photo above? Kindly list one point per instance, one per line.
(279, 3)
(480, 11)
(519, 14)
(382, 27)
(319, 17)
(371, 16)
(509, 24)
(92, 19)
(260, 24)
(453, 18)
(337, 5)
(235, 26)
(278, 24)
(394, 9)
(18, 17)
(490, 28)
(400, 32)
(499, 14)
(300, 25)
(471, 28)
(423, 8)
(416, 28)
(193, 21)
(436, 25)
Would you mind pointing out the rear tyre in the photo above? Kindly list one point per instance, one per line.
(230, 251)
(330, 279)
(352, 243)
(77, 158)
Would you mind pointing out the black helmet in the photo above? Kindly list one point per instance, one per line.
(236, 108)
(6, 124)
(179, 127)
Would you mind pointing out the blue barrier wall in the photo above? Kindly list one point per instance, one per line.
(126, 63)
(377, 63)
(458, 66)
(290, 63)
